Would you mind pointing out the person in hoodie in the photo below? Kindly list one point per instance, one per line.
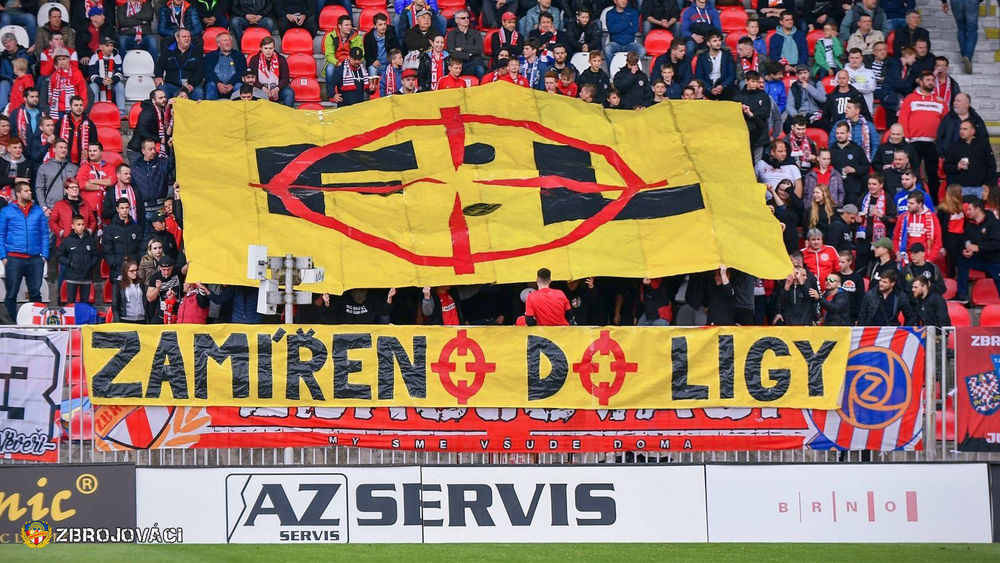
(774, 85)
(14, 167)
(796, 304)
(633, 84)
(862, 131)
(122, 238)
(78, 255)
(929, 307)
(805, 98)
(834, 303)
(884, 302)
(697, 21)
(788, 45)
(756, 105)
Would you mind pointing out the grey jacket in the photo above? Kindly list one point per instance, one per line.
(49, 181)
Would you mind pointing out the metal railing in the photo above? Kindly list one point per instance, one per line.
(940, 403)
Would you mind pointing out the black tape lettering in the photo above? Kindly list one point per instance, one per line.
(539, 387)
(815, 361)
(236, 349)
(304, 371)
(264, 366)
(344, 367)
(782, 377)
(168, 366)
(727, 371)
(128, 346)
(390, 352)
(679, 388)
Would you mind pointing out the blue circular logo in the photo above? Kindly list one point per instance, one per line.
(876, 388)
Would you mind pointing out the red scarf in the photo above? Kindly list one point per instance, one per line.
(437, 68)
(22, 123)
(351, 74)
(390, 82)
(105, 69)
(131, 9)
(95, 171)
(268, 70)
(66, 131)
(512, 40)
(50, 152)
(163, 120)
(61, 89)
(943, 92)
(750, 64)
(128, 193)
(802, 147)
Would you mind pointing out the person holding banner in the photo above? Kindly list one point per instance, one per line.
(547, 306)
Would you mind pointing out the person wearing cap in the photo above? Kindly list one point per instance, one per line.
(411, 84)
(64, 85)
(135, 27)
(54, 24)
(159, 233)
(418, 37)
(105, 75)
(224, 68)
(919, 267)
(507, 39)
(248, 86)
(163, 292)
(840, 233)
(885, 302)
(122, 237)
(407, 12)
(882, 260)
(246, 13)
(181, 67)
(272, 73)
(350, 80)
(91, 33)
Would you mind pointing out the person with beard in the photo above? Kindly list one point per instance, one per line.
(26, 119)
(716, 68)
(154, 123)
(52, 176)
(929, 307)
(850, 160)
(840, 233)
(350, 80)
(788, 210)
(884, 303)
(834, 303)
(777, 166)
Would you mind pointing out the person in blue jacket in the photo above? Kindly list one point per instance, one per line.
(24, 246)
(788, 44)
(623, 25)
(224, 69)
(716, 68)
(697, 20)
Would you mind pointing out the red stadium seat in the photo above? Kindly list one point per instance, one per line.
(767, 38)
(105, 272)
(108, 290)
(75, 340)
(301, 64)
(976, 275)
(366, 20)
(818, 136)
(306, 89)
(312, 106)
(105, 114)
(110, 138)
(109, 316)
(133, 115)
(959, 314)
(81, 425)
(812, 37)
(446, 13)
(733, 19)
(488, 42)
(362, 4)
(470, 80)
(829, 83)
(888, 43)
(297, 40)
(658, 42)
(208, 38)
(948, 432)
(113, 158)
(733, 40)
(990, 316)
(329, 16)
(879, 118)
(950, 288)
(250, 44)
(984, 292)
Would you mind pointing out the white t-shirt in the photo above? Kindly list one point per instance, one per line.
(716, 71)
(768, 174)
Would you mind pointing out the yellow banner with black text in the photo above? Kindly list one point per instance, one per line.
(419, 366)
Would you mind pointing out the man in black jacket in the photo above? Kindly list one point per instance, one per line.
(796, 301)
(851, 161)
(296, 13)
(929, 307)
(633, 84)
(181, 67)
(122, 238)
(756, 111)
(840, 233)
(677, 58)
(464, 43)
(919, 267)
(982, 247)
(883, 304)
(151, 125)
(78, 254)
(834, 303)
(947, 133)
(970, 162)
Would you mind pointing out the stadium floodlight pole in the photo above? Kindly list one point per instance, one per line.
(287, 270)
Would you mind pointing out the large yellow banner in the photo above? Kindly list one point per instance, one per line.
(476, 185)
(543, 367)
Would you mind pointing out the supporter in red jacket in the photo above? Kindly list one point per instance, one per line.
(61, 218)
(547, 306)
(820, 259)
(920, 115)
(919, 224)
(454, 77)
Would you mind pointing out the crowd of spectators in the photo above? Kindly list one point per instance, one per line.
(876, 165)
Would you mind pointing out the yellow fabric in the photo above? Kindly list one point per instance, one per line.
(543, 367)
(675, 142)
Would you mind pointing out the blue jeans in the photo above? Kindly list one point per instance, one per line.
(239, 25)
(127, 42)
(644, 321)
(118, 92)
(992, 269)
(966, 14)
(212, 92)
(17, 269)
(171, 90)
(286, 97)
(5, 87)
(611, 48)
(892, 24)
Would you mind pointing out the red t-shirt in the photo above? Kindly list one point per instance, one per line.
(449, 309)
(548, 306)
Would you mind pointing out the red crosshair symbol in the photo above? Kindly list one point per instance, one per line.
(479, 367)
(604, 346)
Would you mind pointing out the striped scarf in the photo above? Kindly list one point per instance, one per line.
(164, 118)
(350, 75)
(437, 68)
(22, 123)
(132, 8)
(105, 69)
(877, 226)
(61, 89)
(128, 193)
(83, 135)
(390, 82)
(268, 71)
